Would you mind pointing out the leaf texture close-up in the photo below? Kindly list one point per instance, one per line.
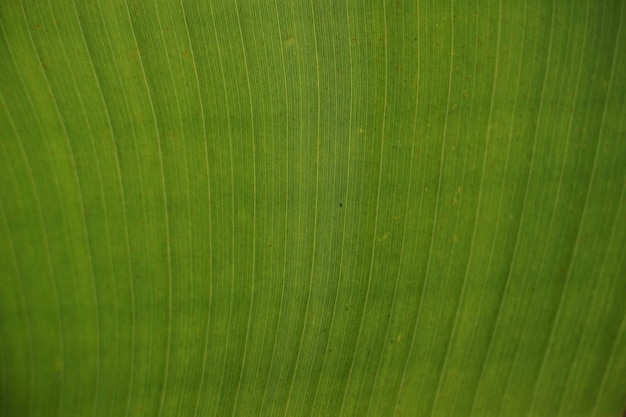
(313, 208)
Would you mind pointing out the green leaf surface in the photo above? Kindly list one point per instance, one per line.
(312, 208)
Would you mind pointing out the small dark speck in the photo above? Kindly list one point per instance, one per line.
(340, 204)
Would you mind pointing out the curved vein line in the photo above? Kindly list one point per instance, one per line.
(73, 163)
(249, 321)
(42, 223)
(106, 216)
(22, 298)
(404, 227)
(621, 332)
(435, 215)
(497, 225)
(161, 170)
(613, 236)
(582, 216)
(443, 369)
(131, 379)
(167, 227)
(377, 209)
(232, 200)
(80, 196)
(282, 294)
(189, 227)
(314, 245)
(586, 204)
(476, 215)
(125, 216)
(530, 174)
(602, 124)
(421, 198)
(343, 232)
(210, 240)
(79, 189)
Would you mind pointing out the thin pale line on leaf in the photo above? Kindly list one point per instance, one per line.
(189, 214)
(615, 236)
(621, 333)
(71, 152)
(596, 297)
(79, 187)
(232, 198)
(210, 254)
(314, 242)
(530, 175)
(436, 211)
(41, 218)
(376, 211)
(161, 170)
(23, 305)
(554, 212)
(285, 236)
(105, 205)
(421, 193)
(459, 301)
(166, 219)
(601, 134)
(131, 379)
(254, 213)
(406, 216)
(255, 13)
(616, 355)
(476, 215)
(527, 320)
(336, 179)
(499, 212)
(77, 177)
(343, 230)
(124, 210)
(597, 300)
